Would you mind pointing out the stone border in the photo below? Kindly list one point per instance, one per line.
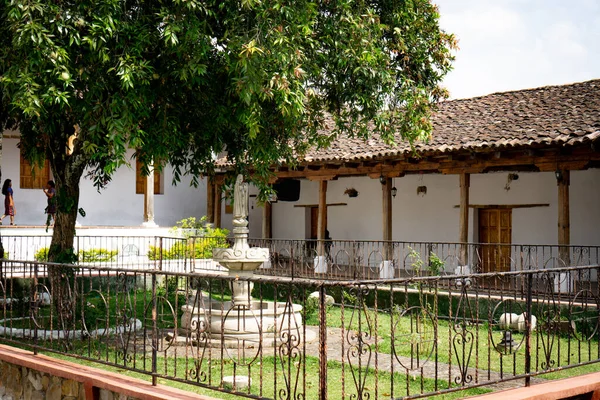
(566, 388)
(94, 379)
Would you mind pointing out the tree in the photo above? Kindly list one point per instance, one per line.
(183, 80)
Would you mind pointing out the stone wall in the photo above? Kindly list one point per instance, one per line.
(28, 376)
(21, 383)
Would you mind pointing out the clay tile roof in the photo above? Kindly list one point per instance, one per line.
(541, 117)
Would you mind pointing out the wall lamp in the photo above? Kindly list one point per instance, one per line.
(394, 191)
(382, 179)
(559, 175)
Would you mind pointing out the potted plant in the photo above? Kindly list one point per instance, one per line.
(351, 192)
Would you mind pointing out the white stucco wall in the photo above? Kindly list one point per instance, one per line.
(116, 205)
(433, 217)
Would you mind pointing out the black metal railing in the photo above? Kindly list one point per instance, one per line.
(176, 254)
(329, 259)
(388, 338)
(357, 259)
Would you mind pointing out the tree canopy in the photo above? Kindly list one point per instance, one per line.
(182, 80)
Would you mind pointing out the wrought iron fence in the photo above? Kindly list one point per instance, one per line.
(305, 338)
(176, 254)
(339, 259)
(358, 259)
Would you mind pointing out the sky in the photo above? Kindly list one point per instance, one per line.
(519, 44)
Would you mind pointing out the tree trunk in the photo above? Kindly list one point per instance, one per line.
(67, 170)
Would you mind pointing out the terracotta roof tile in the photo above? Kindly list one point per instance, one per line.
(546, 116)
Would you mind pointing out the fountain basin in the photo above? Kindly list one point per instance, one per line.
(225, 319)
(241, 259)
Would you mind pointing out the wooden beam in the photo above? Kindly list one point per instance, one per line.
(328, 177)
(465, 183)
(322, 220)
(387, 217)
(503, 206)
(217, 193)
(316, 205)
(564, 228)
(581, 158)
(267, 222)
(573, 165)
(210, 201)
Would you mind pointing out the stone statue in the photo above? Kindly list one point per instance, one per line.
(240, 199)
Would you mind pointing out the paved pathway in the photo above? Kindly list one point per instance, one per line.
(385, 362)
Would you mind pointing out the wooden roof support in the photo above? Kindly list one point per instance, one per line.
(563, 179)
(217, 204)
(210, 201)
(267, 221)
(465, 183)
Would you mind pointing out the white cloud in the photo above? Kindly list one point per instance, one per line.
(517, 44)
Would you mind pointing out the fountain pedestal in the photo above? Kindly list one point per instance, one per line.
(241, 322)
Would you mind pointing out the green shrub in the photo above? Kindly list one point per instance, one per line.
(97, 255)
(193, 247)
(200, 246)
(436, 265)
(92, 255)
(41, 254)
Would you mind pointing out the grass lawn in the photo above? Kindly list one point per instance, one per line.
(437, 339)
(564, 349)
(273, 379)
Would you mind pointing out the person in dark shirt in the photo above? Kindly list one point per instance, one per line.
(50, 193)
(9, 202)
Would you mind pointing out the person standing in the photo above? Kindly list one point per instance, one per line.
(50, 193)
(9, 202)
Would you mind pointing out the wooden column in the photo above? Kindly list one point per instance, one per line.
(210, 201)
(465, 183)
(387, 217)
(149, 199)
(217, 204)
(267, 224)
(322, 221)
(563, 181)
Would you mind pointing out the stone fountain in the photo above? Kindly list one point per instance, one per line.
(241, 322)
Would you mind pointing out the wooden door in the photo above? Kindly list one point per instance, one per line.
(495, 228)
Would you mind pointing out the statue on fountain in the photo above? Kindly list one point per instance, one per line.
(237, 321)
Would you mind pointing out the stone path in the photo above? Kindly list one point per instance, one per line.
(386, 361)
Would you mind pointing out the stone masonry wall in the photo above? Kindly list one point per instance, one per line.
(21, 383)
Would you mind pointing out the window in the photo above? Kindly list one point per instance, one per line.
(34, 177)
(140, 180)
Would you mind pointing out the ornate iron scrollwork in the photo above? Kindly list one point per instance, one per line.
(583, 315)
(289, 340)
(419, 334)
(502, 326)
(95, 320)
(166, 323)
(359, 352)
(549, 320)
(463, 338)
(198, 335)
(238, 322)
